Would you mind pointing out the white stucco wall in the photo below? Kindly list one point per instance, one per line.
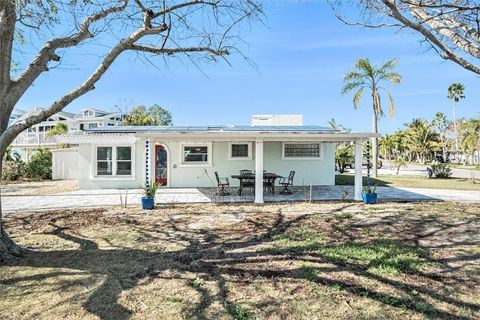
(316, 172)
(65, 164)
(87, 180)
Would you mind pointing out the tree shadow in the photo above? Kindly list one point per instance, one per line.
(228, 254)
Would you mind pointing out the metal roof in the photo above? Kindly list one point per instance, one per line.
(212, 128)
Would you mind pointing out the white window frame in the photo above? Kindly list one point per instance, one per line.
(320, 156)
(248, 157)
(181, 158)
(93, 172)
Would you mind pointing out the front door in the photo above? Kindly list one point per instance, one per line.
(161, 165)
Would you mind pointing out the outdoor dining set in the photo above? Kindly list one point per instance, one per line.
(247, 182)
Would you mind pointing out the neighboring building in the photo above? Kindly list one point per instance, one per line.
(187, 156)
(35, 136)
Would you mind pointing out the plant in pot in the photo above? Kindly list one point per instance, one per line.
(148, 199)
(369, 195)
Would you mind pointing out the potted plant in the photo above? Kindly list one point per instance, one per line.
(148, 199)
(369, 195)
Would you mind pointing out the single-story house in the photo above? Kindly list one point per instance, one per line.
(188, 156)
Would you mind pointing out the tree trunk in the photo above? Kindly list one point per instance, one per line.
(375, 145)
(455, 127)
(8, 248)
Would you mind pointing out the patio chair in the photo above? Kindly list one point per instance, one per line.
(269, 182)
(247, 181)
(222, 183)
(286, 183)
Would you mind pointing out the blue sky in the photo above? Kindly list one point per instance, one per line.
(301, 55)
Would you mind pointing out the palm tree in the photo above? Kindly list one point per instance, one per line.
(423, 140)
(455, 93)
(440, 123)
(387, 146)
(368, 76)
(471, 137)
(59, 128)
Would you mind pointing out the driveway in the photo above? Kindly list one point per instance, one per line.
(111, 197)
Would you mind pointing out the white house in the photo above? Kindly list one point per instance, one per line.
(188, 156)
(35, 136)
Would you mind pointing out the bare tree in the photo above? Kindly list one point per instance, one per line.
(450, 27)
(193, 29)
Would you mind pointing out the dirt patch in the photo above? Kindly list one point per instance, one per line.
(37, 188)
(278, 261)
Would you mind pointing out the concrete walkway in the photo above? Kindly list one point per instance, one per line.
(111, 197)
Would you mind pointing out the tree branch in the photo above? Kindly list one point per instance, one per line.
(170, 51)
(47, 53)
(448, 53)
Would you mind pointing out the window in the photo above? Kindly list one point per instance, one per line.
(302, 150)
(196, 154)
(240, 151)
(104, 161)
(114, 161)
(124, 161)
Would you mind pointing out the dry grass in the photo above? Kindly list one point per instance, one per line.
(285, 261)
(37, 188)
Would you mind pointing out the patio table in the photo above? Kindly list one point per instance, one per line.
(269, 178)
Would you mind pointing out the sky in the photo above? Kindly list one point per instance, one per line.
(301, 54)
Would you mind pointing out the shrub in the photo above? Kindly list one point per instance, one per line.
(40, 165)
(441, 170)
(13, 170)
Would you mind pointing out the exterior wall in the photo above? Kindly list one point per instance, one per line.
(65, 164)
(316, 172)
(86, 179)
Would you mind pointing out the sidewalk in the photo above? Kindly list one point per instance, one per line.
(111, 197)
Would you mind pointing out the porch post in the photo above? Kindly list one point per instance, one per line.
(358, 168)
(259, 172)
(147, 163)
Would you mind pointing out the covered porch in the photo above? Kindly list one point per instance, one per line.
(260, 164)
(266, 155)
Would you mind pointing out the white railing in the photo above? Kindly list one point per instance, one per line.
(33, 139)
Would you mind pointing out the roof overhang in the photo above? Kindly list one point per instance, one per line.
(115, 138)
(261, 136)
(97, 138)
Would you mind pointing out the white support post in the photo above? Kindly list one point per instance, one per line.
(358, 169)
(259, 172)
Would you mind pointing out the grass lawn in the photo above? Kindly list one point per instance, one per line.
(289, 261)
(411, 181)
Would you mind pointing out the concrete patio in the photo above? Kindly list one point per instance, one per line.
(111, 197)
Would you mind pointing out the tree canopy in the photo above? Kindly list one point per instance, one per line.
(151, 116)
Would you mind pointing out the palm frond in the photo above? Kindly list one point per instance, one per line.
(354, 76)
(389, 65)
(377, 104)
(364, 64)
(391, 107)
(393, 77)
(357, 96)
(350, 86)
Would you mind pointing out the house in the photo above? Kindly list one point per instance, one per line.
(35, 136)
(188, 156)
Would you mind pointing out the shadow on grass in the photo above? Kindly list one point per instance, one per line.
(222, 259)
